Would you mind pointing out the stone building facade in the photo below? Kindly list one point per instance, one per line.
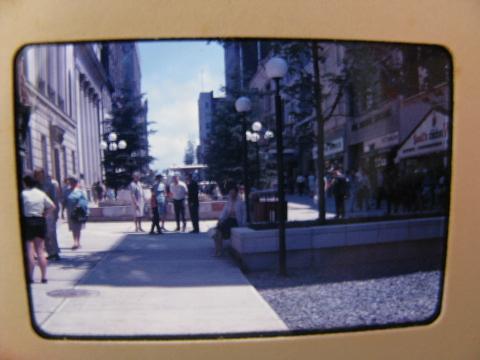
(363, 127)
(67, 90)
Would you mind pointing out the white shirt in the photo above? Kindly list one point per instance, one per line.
(179, 191)
(35, 202)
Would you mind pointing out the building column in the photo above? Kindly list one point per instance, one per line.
(83, 127)
(79, 122)
(88, 111)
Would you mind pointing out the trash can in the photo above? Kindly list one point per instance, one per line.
(264, 206)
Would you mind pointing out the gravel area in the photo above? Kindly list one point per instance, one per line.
(306, 301)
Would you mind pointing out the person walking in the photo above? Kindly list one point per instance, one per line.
(138, 198)
(362, 195)
(65, 193)
(193, 202)
(36, 206)
(52, 189)
(311, 185)
(233, 215)
(161, 195)
(179, 192)
(77, 211)
(155, 214)
(300, 184)
(339, 187)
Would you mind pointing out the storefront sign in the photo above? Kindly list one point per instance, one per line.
(330, 147)
(381, 142)
(430, 137)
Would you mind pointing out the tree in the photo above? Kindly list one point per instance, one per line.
(223, 153)
(126, 121)
(371, 73)
(189, 157)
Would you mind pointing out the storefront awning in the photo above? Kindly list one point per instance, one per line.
(430, 136)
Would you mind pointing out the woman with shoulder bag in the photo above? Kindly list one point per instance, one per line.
(77, 211)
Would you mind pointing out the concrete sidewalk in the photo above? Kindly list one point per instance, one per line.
(126, 284)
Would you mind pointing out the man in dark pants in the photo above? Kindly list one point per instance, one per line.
(51, 188)
(179, 191)
(193, 202)
(339, 190)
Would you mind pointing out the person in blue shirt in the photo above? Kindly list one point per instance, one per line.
(77, 211)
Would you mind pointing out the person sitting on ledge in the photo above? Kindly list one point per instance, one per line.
(233, 215)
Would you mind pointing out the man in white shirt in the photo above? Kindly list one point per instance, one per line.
(179, 192)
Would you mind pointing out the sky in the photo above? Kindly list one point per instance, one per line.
(173, 75)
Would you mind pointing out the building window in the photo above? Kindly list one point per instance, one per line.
(56, 165)
(74, 163)
(65, 167)
(28, 151)
(51, 75)
(41, 57)
(44, 154)
(70, 110)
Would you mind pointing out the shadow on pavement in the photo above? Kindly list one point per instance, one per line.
(181, 260)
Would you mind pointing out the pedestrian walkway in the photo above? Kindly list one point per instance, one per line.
(127, 284)
(302, 207)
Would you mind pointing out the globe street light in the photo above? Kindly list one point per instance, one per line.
(244, 105)
(276, 68)
(268, 135)
(111, 145)
(112, 137)
(257, 126)
(259, 133)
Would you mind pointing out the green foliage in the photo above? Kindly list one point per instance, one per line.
(223, 153)
(127, 122)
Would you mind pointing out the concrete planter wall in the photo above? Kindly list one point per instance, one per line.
(333, 244)
(207, 210)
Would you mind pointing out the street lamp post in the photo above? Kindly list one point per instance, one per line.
(258, 134)
(276, 68)
(243, 105)
(111, 145)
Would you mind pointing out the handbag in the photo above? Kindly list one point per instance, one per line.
(79, 214)
(80, 211)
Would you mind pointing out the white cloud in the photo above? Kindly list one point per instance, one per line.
(173, 111)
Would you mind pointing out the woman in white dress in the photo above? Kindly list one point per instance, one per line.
(136, 192)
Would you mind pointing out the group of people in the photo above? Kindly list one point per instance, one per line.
(40, 209)
(43, 200)
(161, 192)
(406, 189)
(178, 192)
